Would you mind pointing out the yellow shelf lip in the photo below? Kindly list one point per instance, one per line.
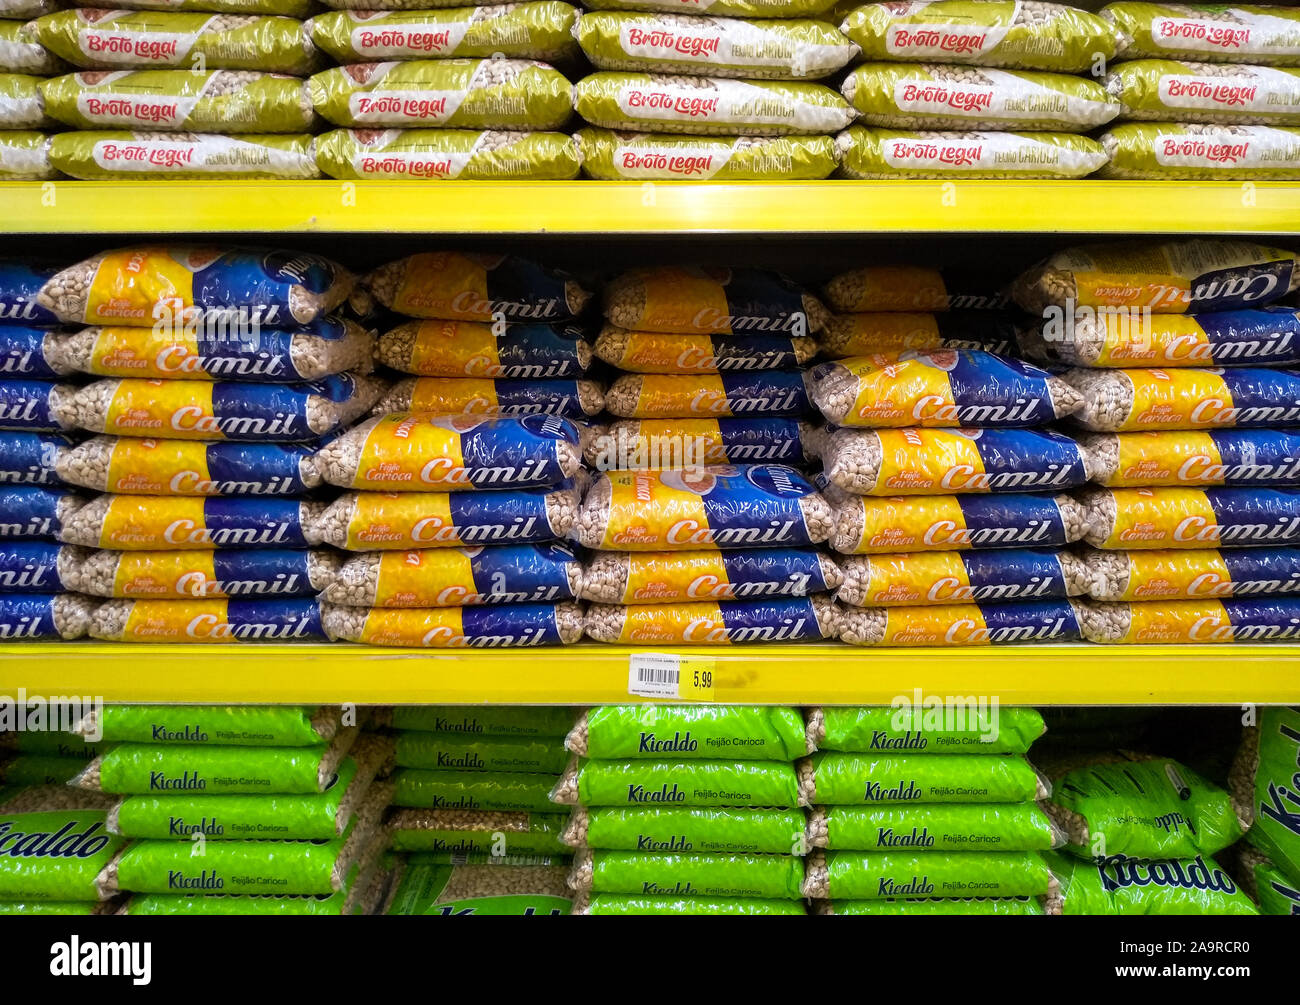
(800, 674)
(635, 208)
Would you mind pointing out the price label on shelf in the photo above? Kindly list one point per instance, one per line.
(667, 675)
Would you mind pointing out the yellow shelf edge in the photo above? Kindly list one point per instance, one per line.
(1077, 674)
(634, 208)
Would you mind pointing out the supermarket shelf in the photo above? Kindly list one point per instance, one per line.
(631, 208)
(791, 674)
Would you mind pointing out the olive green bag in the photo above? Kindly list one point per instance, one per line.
(885, 153)
(447, 154)
(657, 157)
(21, 104)
(93, 156)
(1227, 33)
(25, 156)
(1167, 90)
(1205, 152)
(22, 51)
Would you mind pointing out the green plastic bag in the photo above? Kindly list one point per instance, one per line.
(447, 154)
(426, 888)
(1147, 809)
(36, 769)
(496, 791)
(944, 96)
(732, 732)
(720, 8)
(319, 817)
(786, 49)
(678, 783)
(51, 907)
(1168, 90)
(255, 904)
(986, 33)
(25, 156)
(22, 52)
(931, 906)
(219, 725)
(1211, 33)
(618, 904)
(456, 93)
(459, 752)
(1200, 151)
(155, 40)
(1268, 886)
(541, 29)
(1265, 785)
(919, 730)
(1132, 887)
(658, 874)
(52, 744)
(728, 830)
(21, 104)
(839, 779)
(886, 153)
(935, 827)
(498, 720)
(96, 155)
(458, 832)
(54, 855)
(291, 8)
(218, 101)
(612, 156)
(710, 106)
(852, 875)
(146, 769)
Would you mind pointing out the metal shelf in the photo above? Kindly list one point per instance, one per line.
(658, 208)
(827, 673)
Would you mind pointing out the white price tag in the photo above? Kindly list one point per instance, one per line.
(665, 675)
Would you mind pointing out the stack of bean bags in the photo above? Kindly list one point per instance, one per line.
(1263, 786)
(24, 64)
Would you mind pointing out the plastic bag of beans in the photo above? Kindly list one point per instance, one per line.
(944, 388)
(412, 451)
(1182, 621)
(39, 567)
(1142, 809)
(487, 627)
(22, 52)
(729, 731)
(895, 333)
(491, 791)
(574, 399)
(477, 832)
(1025, 35)
(754, 506)
(1185, 398)
(786, 49)
(31, 511)
(715, 622)
(1175, 91)
(1266, 884)
(427, 888)
(708, 106)
(36, 405)
(33, 458)
(290, 8)
(1200, 151)
(671, 577)
(143, 523)
(474, 349)
(35, 616)
(947, 577)
(1232, 457)
(731, 8)
(457, 93)
(920, 729)
(1188, 574)
(873, 875)
(447, 154)
(997, 827)
(866, 525)
(1262, 781)
(59, 871)
(1190, 518)
(367, 521)
(615, 156)
(29, 351)
(655, 444)
(541, 29)
(152, 40)
(187, 575)
(327, 346)
(886, 153)
(457, 752)
(723, 830)
(929, 461)
(208, 620)
(21, 104)
(891, 288)
(681, 782)
(649, 352)
(484, 720)
(681, 300)
(183, 285)
(458, 577)
(1176, 277)
(947, 96)
(721, 395)
(218, 725)
(659, 873)
(476, 287)
(92, 156)
(619, 905)
(1122, 886)
(1229, 33)
(21, 10)
(935, 906)
(38, 769)
(834, 778)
